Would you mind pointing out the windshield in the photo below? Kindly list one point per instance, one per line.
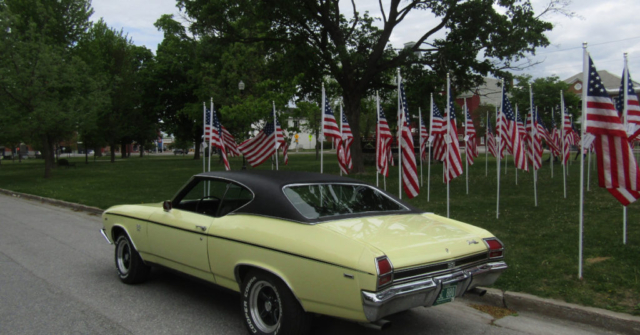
(323, 200)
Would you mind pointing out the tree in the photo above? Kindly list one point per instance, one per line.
(44, 87)
(117, 63)
(315, 38)
(177, 80)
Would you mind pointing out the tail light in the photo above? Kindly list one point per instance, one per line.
(385, 271)
(496, 248)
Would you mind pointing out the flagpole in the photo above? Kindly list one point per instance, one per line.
(400, 129)
(486, 147)
(588, 168)
(585, 80)
(429, 144)
(533, 147)
(210, 131)
(551, 151)
(204, 124)
(340, 143)
(323, 103)
(499, 151)
(275, 130)
(377, 137)
(447, 158)
(466, 149)
(625, 113)
(514, 157)
(564, 165)
(421, 141)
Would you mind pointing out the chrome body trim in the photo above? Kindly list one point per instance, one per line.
(104, 234)
(424, 292)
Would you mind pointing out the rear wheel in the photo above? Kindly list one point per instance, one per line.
(269, 307)
(131, 268)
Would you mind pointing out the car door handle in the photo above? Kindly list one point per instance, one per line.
(203, 228)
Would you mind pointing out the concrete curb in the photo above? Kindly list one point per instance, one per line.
(522, 302)
(55, 202)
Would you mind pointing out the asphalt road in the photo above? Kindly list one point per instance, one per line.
(57, 276)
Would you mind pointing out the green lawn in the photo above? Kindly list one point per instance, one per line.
(542, 242)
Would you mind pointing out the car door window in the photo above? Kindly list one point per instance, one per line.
(204, 197)
(236, 197)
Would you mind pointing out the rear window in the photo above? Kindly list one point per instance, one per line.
(323, 200)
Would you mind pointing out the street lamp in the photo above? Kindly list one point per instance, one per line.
(241, 88)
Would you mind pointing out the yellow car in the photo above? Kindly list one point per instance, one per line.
(296, 244)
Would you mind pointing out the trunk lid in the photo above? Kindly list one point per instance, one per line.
(414, 239)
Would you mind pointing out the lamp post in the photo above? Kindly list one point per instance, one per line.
(241, 88)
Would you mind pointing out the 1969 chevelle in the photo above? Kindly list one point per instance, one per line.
(297, 244)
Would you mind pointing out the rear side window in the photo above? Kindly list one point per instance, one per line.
(324, 200)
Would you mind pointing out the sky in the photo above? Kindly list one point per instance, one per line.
(609, 27)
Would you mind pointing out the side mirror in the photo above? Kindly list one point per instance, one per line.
(166, 205)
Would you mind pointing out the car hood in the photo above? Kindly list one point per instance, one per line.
(414, 239)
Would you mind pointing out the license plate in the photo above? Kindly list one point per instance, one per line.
(447, 294)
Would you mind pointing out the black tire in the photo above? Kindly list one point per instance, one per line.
(269, 307)
(131, 268)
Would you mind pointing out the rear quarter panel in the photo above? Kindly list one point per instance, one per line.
(325, 270)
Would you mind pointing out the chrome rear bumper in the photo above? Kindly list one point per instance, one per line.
(424, 292)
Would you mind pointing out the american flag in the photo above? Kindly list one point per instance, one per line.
(471, 145)
(330, 128)
(230, 143)
(568, 139)
(285, 152)
(453, 160)
(548, 138)
(409, 168)
(555, 136)
(633, 106)
(617, 169)
(262, 146)
(491, 140)
(217, 141)
(207, 124)
(383, 144)
(512, 137)
(521, 130)
(344, 159)
(533, 138)
(438, 130)
(424, 137)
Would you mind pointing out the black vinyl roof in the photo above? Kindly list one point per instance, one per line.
(269, 199)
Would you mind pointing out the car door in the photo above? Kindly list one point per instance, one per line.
(178, 236)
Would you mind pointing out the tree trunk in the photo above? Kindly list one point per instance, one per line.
(317, 144)
(352, 111)
(113, 152)
(123, 150)
(141, 150)
(196, 154)
(47, 153)
(86, 155)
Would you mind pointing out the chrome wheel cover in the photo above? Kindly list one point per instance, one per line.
(123, 258)
(265, 306)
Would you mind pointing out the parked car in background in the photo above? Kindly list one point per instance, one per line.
(179, 151)
(294, 244)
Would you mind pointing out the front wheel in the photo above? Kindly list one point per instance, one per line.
(131, 268)
(269, 307)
